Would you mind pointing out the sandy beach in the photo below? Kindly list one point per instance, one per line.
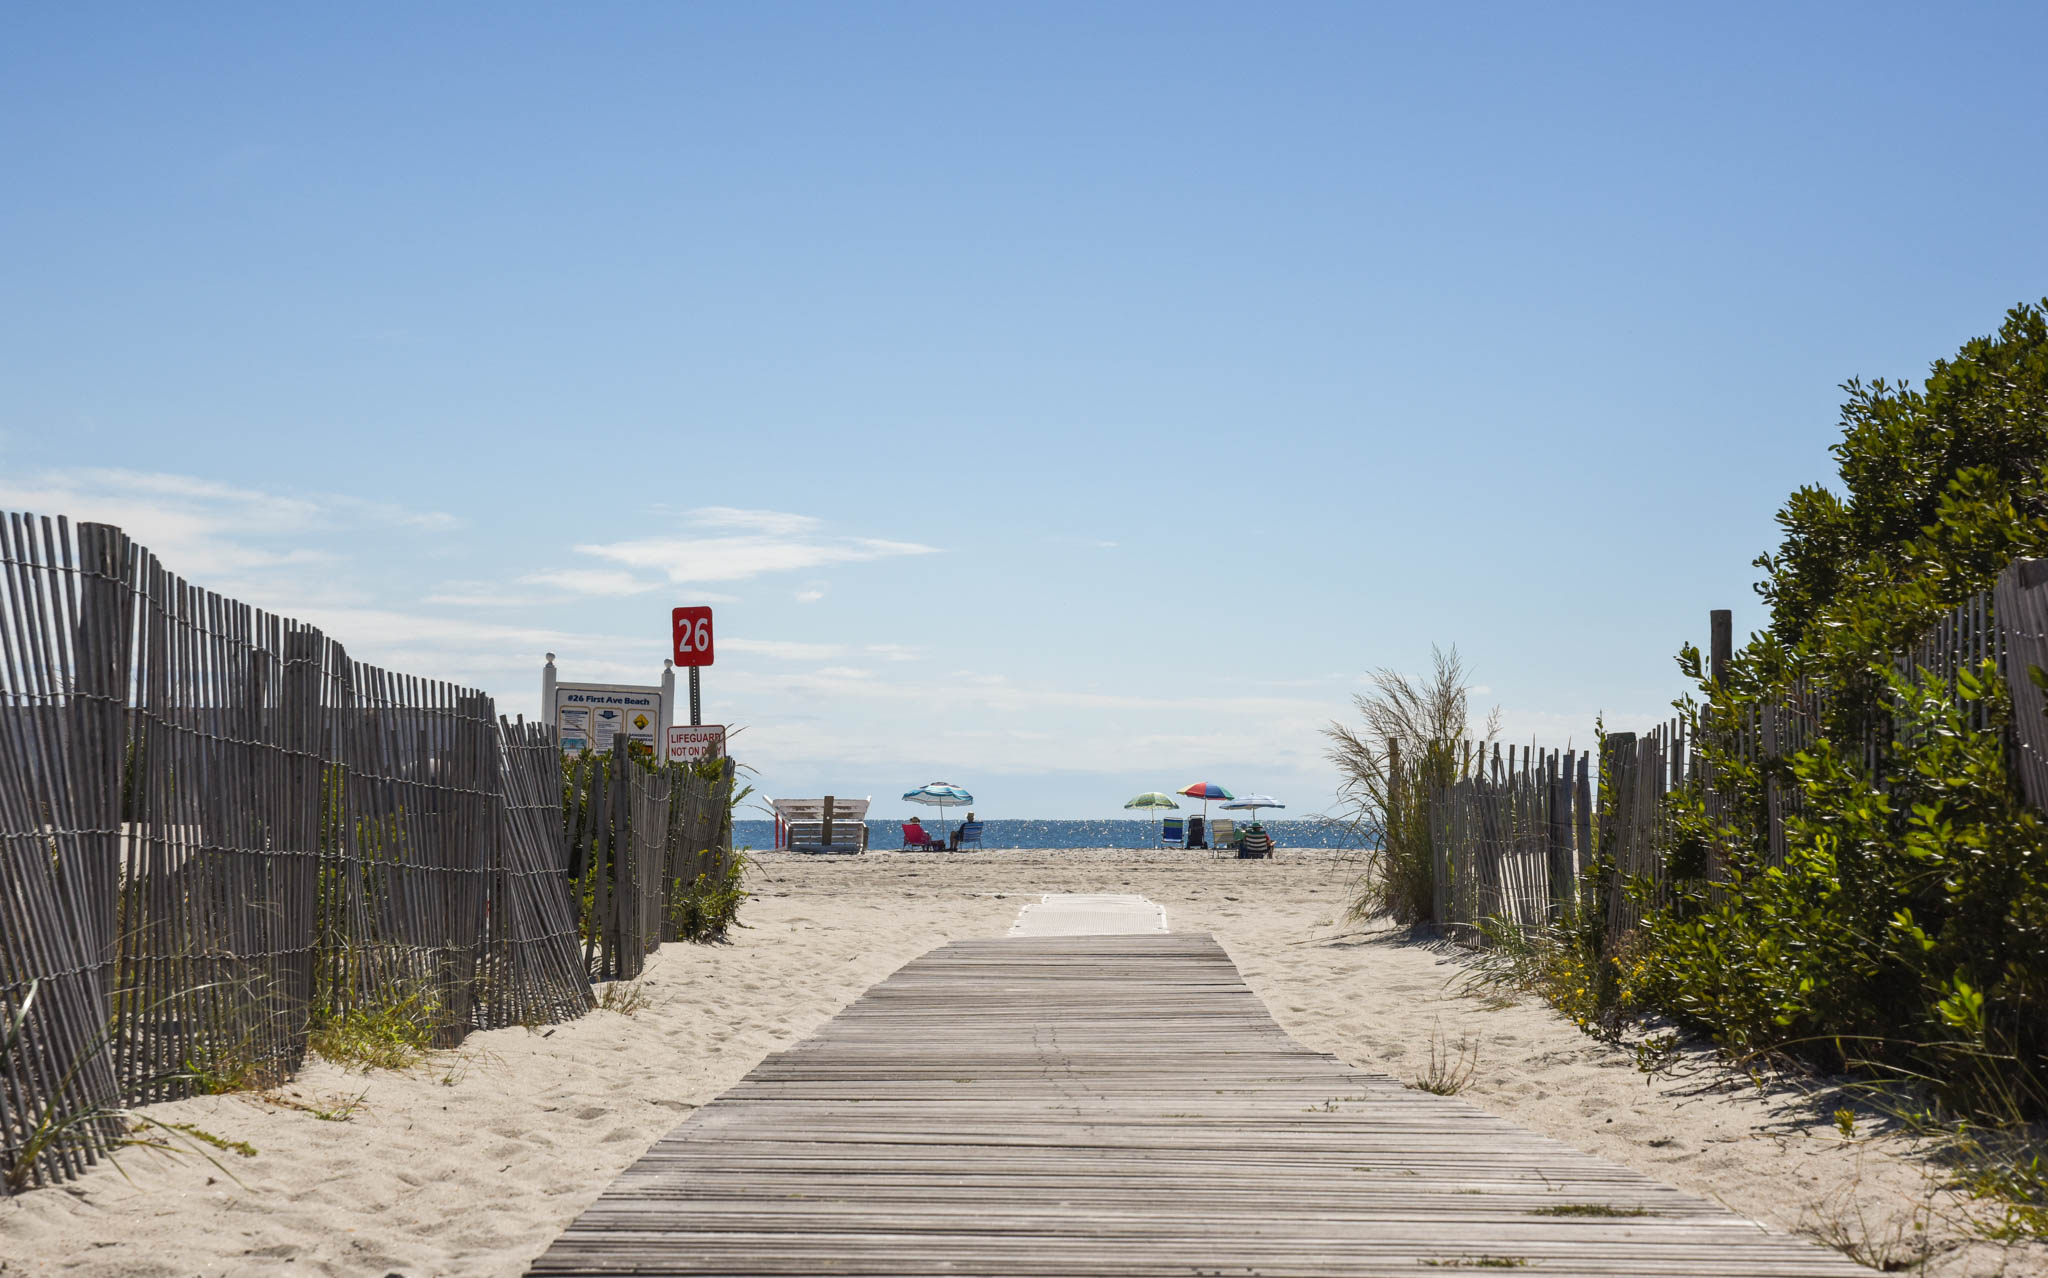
(471, 1163)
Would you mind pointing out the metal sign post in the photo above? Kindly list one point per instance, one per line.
(693, 638)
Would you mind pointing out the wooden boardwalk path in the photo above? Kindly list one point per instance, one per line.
(1120, 1105)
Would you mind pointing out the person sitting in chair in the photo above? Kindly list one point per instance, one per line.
(953, 842)
(1256, 842)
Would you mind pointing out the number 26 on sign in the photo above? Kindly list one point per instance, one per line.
(693, 636)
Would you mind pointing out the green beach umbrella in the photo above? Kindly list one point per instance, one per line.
(1154, 799)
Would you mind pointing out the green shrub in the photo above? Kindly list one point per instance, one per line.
(705, 909)
(1907, 925)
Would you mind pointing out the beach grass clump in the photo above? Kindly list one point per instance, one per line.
(233, 1024)
(223, 1143)
(395, 1032)
(2004, 1169)
(626, 998)
(1888, 1244)
(1405, 748)
(1451, 1069)
(339, 1111)
(225, 1072)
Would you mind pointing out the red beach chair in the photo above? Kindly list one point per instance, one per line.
(916, 836)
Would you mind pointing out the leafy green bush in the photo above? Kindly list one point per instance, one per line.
(1907, 925)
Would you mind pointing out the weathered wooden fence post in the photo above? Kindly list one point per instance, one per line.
(308, 758)
(1617, 776)
(1558, 792)
(621, 895)
(99, 745)
(1721, 643)
(721, 820)
(1582, 804)
(2020, 610)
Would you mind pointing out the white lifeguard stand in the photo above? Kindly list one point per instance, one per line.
(828, 825)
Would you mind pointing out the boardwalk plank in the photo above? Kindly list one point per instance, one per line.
(1121, 1107)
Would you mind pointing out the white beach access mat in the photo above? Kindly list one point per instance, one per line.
(1089, 914)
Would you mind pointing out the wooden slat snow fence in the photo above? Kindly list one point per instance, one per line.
(1120, 1105)
(216, 827)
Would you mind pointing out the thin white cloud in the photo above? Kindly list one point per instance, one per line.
(776, 522)
(782, 649)
(205, 530)
(809, 596)
(684, 560)
(385, 512)
(598, 581)
(477, 594)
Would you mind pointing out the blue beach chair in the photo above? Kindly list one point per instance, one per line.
(970, 832)
(1172, 833)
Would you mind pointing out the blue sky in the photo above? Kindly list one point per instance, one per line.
(1063, 400)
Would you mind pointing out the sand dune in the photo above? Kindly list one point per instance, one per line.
(471, 1164)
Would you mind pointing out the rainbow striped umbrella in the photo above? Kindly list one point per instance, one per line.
(1205, 791)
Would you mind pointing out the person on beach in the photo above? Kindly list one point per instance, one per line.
(953, 843)
(1256, 842)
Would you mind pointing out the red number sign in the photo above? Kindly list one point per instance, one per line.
(693, 636)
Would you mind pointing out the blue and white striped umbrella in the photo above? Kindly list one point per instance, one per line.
(941, 795)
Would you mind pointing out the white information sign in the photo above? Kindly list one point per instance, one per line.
(688, 744)
(589, 715)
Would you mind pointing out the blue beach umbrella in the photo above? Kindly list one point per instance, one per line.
(941, 795)
(1252, 803)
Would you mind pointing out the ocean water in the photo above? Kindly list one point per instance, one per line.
(1065, 834)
